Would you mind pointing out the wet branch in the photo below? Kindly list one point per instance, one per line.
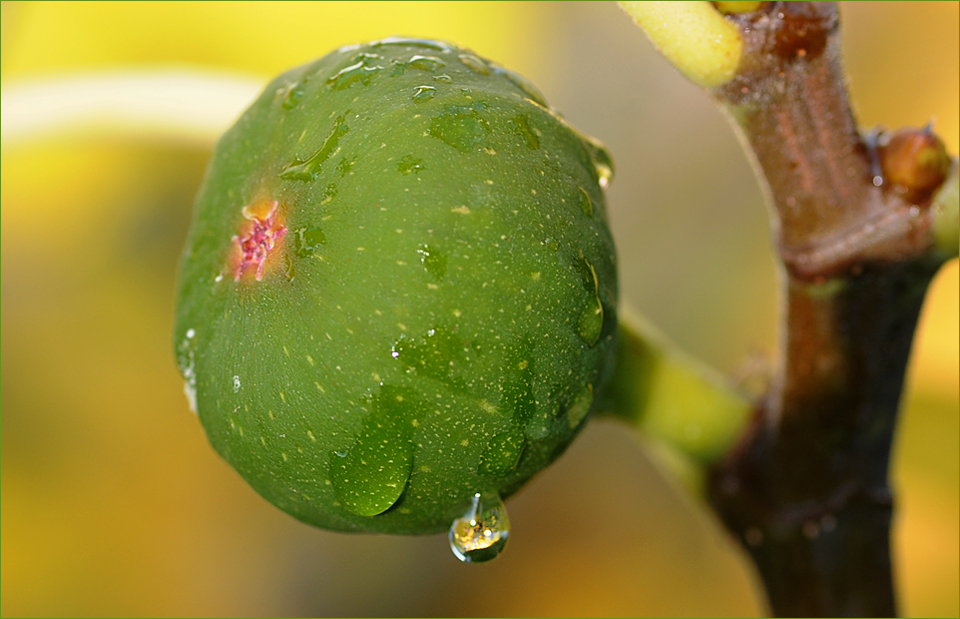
(807, 489)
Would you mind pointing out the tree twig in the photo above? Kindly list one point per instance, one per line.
(806, 490)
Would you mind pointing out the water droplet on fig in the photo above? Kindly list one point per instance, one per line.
(502, 453)
(293, 95)
(475, 64)
(360, 71)
(409, 164)
(461, 126)
(307, 240)
(425, 63)
(523, 84)
(521, 126)
(372, 473)
(586, 204)
(481, 533)
(432, 260)
(187, 364)
(408, 42)
(424, 93)
(590, 322)
(438, 354)
(601, 160)
(309, 169)
(580, 406)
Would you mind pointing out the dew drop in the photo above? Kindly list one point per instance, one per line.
(409, 164)
(293, 95)
(586, 204)
(444, 79)
(307, 240)
(590, 322)
(190, 390)
(425, 63)
(521, 126)
(187, 365)
(481, 533)
(432, 260)
(309, 169)
(580, 406)
(517, 392)
(372, 473)
(345, 166)
(601, 160)
(461, 126)
(475, 64)
(424, 93)
(360, 71)
(523, 84)
(438, 354)
(329, 193)
(502, 453)
(409, 42)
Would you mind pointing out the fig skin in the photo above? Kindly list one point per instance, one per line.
(399, 287)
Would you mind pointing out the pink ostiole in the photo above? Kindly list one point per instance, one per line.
(262, 235)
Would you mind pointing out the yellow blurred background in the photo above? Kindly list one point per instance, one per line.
(113, 504)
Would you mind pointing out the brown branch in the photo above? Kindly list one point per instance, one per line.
(807, 489)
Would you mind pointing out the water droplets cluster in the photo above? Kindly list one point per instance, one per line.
(188, 369)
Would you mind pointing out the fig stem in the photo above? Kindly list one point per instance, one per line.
(806, 490)
(670, 398)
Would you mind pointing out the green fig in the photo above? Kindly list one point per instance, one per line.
(399, 288)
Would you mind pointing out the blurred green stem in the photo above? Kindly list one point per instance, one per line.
(163, 104)
(684, 407)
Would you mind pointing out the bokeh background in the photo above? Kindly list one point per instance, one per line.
(114, 504)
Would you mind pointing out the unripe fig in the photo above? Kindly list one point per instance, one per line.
(399, 289)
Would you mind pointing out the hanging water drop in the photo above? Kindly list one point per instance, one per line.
(601, 160)
(481, 533)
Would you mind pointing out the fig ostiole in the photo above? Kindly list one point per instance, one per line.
(399, 291)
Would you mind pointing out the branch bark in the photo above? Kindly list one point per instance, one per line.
(807, 489)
